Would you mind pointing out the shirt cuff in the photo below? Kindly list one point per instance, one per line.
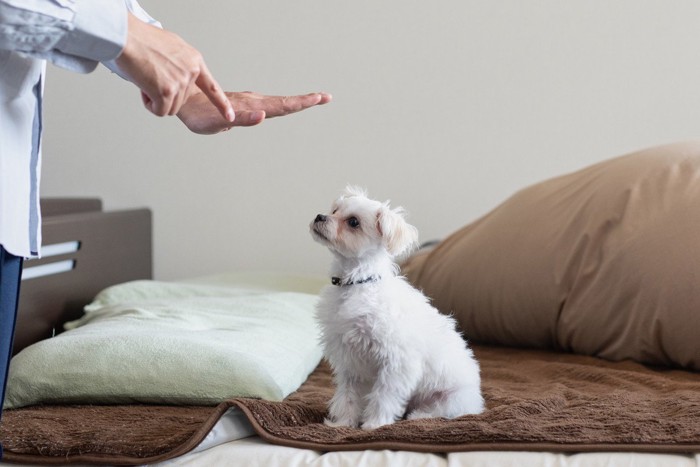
(100, 30)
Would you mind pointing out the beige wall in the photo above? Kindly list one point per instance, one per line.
(445, 107)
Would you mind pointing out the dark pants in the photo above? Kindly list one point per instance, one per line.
(10, 272)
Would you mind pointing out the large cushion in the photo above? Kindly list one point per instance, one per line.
(193, 343)
(604, 261)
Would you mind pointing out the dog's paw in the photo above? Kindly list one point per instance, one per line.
(419, 414)
(339, 423)
(375, 423)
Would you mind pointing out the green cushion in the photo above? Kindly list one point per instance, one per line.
(194, 343)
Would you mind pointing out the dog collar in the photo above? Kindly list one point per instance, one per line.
(339, 282)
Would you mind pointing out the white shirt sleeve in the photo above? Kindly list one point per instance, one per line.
(73, 34)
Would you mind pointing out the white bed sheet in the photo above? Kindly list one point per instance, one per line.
(232, 442)
(232, 426)
(253, 451)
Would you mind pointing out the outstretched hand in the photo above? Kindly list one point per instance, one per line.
(168, 70)
(201, 116)
(174, 79)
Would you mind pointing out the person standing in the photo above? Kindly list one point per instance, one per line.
(77, 35)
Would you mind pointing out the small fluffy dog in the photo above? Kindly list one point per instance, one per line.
(393, 355)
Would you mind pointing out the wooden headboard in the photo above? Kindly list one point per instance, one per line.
(84, 250)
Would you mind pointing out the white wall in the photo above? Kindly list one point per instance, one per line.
(445, 107)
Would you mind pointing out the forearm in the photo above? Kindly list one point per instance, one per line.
(138, 12)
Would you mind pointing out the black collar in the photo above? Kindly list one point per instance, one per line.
(339, 282)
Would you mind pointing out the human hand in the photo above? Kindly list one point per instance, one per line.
(200, 116)
(168, 70)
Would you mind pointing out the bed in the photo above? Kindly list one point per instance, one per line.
(551, 398)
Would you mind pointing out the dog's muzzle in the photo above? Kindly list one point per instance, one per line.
(318, 227)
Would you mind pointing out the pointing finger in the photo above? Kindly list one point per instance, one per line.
(206, 82)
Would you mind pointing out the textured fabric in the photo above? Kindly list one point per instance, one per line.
(604, 261)
(536, 401)
(173, 343)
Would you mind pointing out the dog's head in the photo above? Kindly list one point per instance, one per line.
(357, 226)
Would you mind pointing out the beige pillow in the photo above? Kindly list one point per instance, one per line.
(604, 261)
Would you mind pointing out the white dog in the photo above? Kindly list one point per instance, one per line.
(393, 355)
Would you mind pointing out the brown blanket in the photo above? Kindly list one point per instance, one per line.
(536, 401)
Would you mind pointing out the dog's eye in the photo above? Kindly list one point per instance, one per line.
(354, 222)
(334, 211)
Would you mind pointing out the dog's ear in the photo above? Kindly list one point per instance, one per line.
(399, 236)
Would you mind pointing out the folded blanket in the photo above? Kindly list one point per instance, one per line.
(536, 401)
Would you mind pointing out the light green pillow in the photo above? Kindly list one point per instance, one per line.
(195, 343)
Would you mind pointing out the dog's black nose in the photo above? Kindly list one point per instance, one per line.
(320, 218)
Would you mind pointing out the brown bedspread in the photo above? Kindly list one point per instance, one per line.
(536, 401)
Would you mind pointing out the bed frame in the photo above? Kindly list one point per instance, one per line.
(85, 250)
